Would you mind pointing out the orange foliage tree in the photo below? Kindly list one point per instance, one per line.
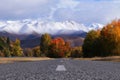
(58, 48)
(106, 44)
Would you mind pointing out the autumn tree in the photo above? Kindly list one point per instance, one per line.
(106, 43)
(76, 52)
(58, 48)
(36, 51)
(116, 34)
(110, 39)
(16, 49)
(67, 49)
(44, 44)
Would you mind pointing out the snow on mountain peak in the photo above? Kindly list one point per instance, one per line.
(29, 26)
(95, 26)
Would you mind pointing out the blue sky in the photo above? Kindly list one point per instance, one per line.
(82, 11)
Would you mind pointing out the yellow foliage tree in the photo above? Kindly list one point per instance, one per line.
(16, 49)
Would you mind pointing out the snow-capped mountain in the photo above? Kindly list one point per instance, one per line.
(95, 26)
(37, 26)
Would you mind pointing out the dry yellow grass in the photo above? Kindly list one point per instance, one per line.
(26, 59)
(22, 59)
(110, 58)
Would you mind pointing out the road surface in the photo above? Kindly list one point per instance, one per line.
(60, 69)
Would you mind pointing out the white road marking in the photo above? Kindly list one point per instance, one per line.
(60, 68)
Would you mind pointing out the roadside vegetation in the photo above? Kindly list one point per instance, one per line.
(105, 42)
(100, 43)
(9, 48)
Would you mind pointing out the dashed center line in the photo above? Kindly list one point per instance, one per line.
(60, 68)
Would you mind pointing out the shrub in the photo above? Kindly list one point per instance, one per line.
(76, 52)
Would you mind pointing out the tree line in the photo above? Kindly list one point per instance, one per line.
(104, 42)
(9, 48)
(49, 47)
(57, 47)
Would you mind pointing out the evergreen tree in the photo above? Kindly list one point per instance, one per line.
(4, 46)
(8, 46)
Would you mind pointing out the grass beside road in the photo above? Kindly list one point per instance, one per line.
(22, 59)
(26, 59)
(110, 58)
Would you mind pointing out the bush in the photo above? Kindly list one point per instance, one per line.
(36, 51)
(28, 52)
(2, 54)
(76, 52)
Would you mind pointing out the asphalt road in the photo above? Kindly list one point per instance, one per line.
(60, 69)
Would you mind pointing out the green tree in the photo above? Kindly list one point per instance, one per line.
(88, 46)
(4, 46)
(44, 44)
(8, 46)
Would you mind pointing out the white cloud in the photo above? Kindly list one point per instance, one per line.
(67, 4)
(20, 9)
(83, 11)
(90, 12)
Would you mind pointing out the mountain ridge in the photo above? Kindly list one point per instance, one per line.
(30, 31)
(28, 27)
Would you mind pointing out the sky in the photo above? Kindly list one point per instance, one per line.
(81, 11)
